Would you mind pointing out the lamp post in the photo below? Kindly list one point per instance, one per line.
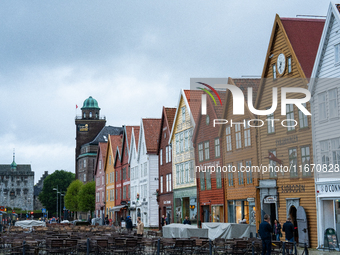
(57, 198)
(61, 195)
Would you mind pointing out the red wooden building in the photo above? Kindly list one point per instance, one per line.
(210, 185)
(122, 175)
(164, 152)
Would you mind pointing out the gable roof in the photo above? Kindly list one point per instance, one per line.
(126, 136)
(243, 84)
(151, 133)
(299, 46)
(168, 115)
(333, 12)
(304, 36)
(192, 100)
(217, 111)
(102, 147)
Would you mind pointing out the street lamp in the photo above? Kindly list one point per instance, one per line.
(57, 198)
(61, 195)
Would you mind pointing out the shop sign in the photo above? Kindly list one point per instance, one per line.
(298, 188)
(166, 202)
(329, 188)
(251, 199)
(270, 200)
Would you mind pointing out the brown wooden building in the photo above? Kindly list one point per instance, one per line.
(208, 158)
(289, 61)
(239, 152)
(165, 193)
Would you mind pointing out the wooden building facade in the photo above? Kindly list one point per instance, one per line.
(164, 152)
(239, 150)
(208, 158)
(286, 140)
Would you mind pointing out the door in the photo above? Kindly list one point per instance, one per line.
(302, 226)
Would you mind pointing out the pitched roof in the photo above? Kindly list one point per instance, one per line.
(151, 132)
(19, 168)
(136, 134)
(104, 134)
(127, 137)
(115, 141)
(243, 84)
(170, 116)
(304, 36)
(194, 101)
(102, 147)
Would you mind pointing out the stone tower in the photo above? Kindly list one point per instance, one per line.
(88, 125)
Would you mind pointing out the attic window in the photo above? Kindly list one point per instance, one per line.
(337, 53)
(289, 60)
(274, 71)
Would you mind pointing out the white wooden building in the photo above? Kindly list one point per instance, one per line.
(325, 90)
(144, 173)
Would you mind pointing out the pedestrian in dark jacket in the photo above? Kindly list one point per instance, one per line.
(187, 221)
(128, 223)
(265, 232)
(288, 228)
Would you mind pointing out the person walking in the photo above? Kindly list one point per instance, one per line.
(277, 230)
(265, 232)
(187, 221)
(140, 227)
(288, 228)
(163, 221)
(129, 223)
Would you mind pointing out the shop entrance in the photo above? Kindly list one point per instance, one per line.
(292, 215)
(205, 212)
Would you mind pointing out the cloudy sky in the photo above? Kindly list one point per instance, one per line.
(132, 56)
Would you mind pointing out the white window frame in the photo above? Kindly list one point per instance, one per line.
(161, 184)
(161, 157)
(238, 136)
(322, 99)
(333, 103)
(247, 138)
(228, 138)
(183, 114)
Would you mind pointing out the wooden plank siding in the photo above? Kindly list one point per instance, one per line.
(281, 140)
(246, 190)
(206, 132)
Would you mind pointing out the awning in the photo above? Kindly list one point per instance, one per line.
(117, 208)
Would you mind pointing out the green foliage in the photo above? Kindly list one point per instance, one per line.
(72, 195)
(87, 196)
(48, 196)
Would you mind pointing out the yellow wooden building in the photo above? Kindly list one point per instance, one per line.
(114, 141)
(286, 140)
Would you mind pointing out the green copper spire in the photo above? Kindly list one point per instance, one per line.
(14, 165)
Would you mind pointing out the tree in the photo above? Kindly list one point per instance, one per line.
(87, 196)
(72, 196)
(60, 179)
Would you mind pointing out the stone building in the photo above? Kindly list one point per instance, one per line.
(37, 189)
(16, 186)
